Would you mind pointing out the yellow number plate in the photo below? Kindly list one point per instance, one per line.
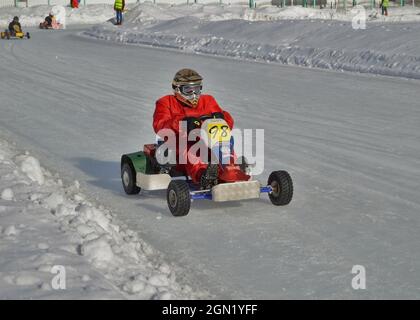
(218, 132)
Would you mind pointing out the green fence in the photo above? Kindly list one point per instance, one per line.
(336, 4)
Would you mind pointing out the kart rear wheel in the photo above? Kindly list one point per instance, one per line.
(28, 35)
(178, 198)
(282, 185)
(128, 178)
(8, 35)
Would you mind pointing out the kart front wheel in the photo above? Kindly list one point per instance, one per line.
(178, 197)
(128, 177)
(28, 35)
(282, 186)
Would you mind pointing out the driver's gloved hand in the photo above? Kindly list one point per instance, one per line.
(192, 123)
(217, 115)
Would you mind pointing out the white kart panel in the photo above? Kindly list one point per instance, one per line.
(236, 191)
(153, 181)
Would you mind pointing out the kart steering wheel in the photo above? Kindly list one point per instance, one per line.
(205, 117)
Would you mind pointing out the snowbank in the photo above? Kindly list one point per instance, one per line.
(32, 16)
(263, 35)
(148, 12)
(49, 224)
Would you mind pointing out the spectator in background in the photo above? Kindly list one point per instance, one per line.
(384, 6)
(119, 8)
(74, 3)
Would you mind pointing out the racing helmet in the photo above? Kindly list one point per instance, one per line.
(16, 19)
(187, 85)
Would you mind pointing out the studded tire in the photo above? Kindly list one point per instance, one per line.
(128, 178)
(178, 198)
(282, 185)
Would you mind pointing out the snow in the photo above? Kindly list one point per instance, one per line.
(309, 37)
(32, 168)
(58, 230)
(10, 231)
(7, 194)
(350, 142)
(26, 280)
(99, 252)
(53, 200)
(43, 246)
(316, 39)
(32, 16)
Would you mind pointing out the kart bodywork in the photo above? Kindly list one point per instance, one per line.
(14, 35)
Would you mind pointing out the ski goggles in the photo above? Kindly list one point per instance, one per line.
(188, 89)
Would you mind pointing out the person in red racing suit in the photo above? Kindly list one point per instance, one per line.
(188, 104)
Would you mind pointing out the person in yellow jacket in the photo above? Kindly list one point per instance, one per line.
(119, 8)
(384, 6)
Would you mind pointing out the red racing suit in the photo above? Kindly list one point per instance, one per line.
(170, 111)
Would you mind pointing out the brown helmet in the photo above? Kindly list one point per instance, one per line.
(187, 85)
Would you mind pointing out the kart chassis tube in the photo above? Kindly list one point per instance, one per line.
(206, 195)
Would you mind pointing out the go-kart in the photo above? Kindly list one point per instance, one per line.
(142, 170)
(53, 26)
(14, 35)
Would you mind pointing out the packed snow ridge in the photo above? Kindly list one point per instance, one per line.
(45, 224)
(293, 36)
(32, 16)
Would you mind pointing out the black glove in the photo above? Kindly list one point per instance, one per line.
(192, 123)
(217, 115)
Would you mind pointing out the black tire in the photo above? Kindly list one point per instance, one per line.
(28, 35)
(178, 198)
(8, 35)
(128, 179)
(282, 185)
